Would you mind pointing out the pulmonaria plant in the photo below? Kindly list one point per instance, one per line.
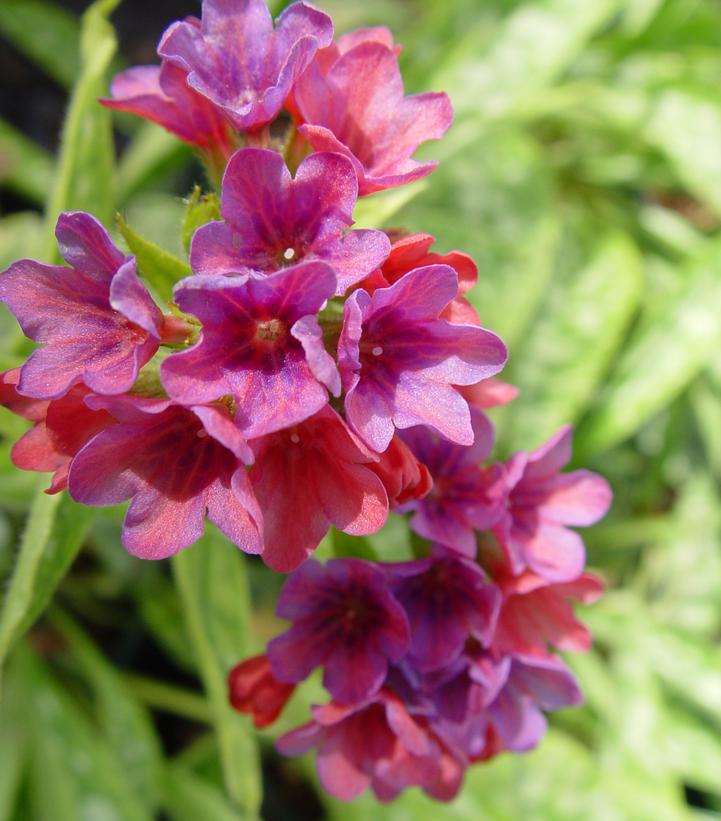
(308, 375)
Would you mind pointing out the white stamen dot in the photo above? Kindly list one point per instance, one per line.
(201, 434)
(377, 351)
(289, 253)
(294, 438)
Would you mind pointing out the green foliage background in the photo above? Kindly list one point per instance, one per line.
(584, 175)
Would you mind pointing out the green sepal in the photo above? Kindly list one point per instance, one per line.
(159, 267)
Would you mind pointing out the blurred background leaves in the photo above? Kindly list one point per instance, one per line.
(584, 176)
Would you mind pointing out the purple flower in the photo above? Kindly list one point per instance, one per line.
(464, 495)
(345, 619)
(161, 94)
(355, 105)
(174, 464)
(261, 344)
(236, 59)
(447, 601)
(541, 502)
(273, 220)
(534, 683)
(376, 743)
(94, 320)
(399, 362)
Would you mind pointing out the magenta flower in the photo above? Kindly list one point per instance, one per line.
(162, 95)
(376, 743)
(536, 614)
(413, 252)
(541, 502)
(309, 477)
(60, 428)
(174, 464)
(344, 619)
(465, 497)
(534, 684)
(399, 362)
(95, 322)
(261, 344)
(447, 600)
(357, 107)
(273, 220)
(236, 59)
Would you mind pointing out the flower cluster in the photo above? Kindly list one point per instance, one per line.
(446, 660)
(308, 374)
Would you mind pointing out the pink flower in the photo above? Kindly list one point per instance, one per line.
(533, 684)
(541, 502)
(237, 60)
(489, 393)
(174, 464)
(344, 619)
(404, 477)
(537, 614)
(254, 690)
(356, 106)
(376, 744)
(260, 343)
(413, 252)
(465, 497)
(399, 362)
(61, 427)
(309, 477)
(162, 95)
(272, 220)
(94, 320)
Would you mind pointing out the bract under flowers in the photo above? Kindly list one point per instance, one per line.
(309, 376)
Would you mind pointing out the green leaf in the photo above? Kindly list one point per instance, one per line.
(682, 576)
(21, 235)
(692, 749)
(162, 612)
(188, 797)
(580, 326)
(151, 154)
(24, 167)
(159, 267)
(46, 33)
(693, 147)
(358, 547)
(706, 403)
(691, 668)
(376, 211)
(125, 723)
(13, 746)
(85, 175)
(75, 775)
(201, 208)
(661, 359)
(535, 46)
(496, 202)
(213, 587)
(55, 530)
